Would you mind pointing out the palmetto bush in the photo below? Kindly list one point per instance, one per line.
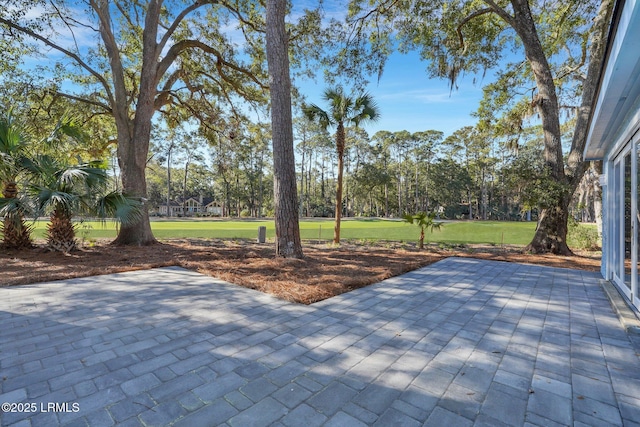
(17, 143)
(65, 191)
(424, 221)
(16, 233)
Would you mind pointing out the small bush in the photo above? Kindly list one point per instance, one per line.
(583, 237)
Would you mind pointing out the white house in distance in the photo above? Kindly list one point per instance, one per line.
(614, 137)
(191, 207)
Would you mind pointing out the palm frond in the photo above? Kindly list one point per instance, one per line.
(368, 109)
(333, 94)
(14, 206)
(43, 168)
(12, 138)
(48, 198)
(314, 113)
(67, 126)
(408, 218)
(87, 176)
(127, 210)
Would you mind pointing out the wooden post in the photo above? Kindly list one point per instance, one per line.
(262, 234)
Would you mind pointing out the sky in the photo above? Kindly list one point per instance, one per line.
(407, 98)
(410, 100)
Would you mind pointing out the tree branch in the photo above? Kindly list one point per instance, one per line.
(224, 91)
(55, 7)
(105, 107)
(240, 18)
(176, 22)
(501, 13)
(163, 95)
(583, 60)
(360, 21)
(474, 15)
(119, 108)
(184, 45)
(70, 54)
(382, 8)
(126, 16)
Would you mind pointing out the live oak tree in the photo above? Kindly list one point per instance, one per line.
(562, 46)
(141, 57)
(151, 56)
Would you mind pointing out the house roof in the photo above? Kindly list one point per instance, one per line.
(619, 86)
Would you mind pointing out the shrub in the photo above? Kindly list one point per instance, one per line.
(584, 237)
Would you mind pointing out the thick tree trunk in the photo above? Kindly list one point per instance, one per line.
(288, 243)
(546, 101)
(133, 135)
(132, 158)
(134, 184)
(552, 228)
(551, 232)
(340, 141)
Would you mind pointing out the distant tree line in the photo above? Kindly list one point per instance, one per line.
(466, 175)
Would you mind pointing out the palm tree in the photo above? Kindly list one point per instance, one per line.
(424, 221)
(65, 191)
(16, 233)
(342, 109)
(16, 146)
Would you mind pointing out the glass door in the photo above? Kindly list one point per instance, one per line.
(621, 226)
(628, 225)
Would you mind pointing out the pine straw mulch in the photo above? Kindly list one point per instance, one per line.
(325, 271)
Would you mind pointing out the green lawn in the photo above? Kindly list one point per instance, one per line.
(494, 232)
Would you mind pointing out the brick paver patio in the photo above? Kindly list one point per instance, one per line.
(462, 342)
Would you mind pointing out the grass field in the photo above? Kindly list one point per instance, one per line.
(492, 232)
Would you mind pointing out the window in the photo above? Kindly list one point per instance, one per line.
(628, 230)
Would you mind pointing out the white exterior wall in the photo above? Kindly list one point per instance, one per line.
(613, 131)
(606, 206)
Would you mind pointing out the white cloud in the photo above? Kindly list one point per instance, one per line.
(425, 96)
